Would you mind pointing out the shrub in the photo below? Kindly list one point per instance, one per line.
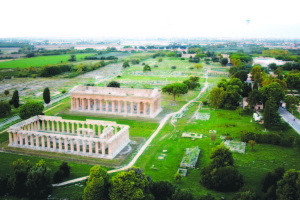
(173, 67)
(155, 66)
(58, 176)
(191, 68)
(113, 84)
(182, 59)
(34, 75)
(246, 137)
(159, 59)
(143, 63)
(64, 91)
(4, 108)
(65, 168)
(30, 109)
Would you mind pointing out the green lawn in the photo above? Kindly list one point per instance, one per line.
(40, 61)
(253, 165)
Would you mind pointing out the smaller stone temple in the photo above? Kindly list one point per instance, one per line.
(118, 101)
(94, 138)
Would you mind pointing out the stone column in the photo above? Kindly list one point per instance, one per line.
(21, 139)
(38, 125)
(95, 107)
(101, 106)
(73, 127)
(48, 142)
(68, 127)
(103, 148)
(72, 103)
(145, 108)
(119, 107)
(96, 148)
(43, 141)
(106, 105)
(83, 104)
(48, 126)
(37, 142)
(62, 126)
(66, 144)
(113, 106)
(10, 137)
(53, 128)
(110, 149)
(138, 108)
(54, 143)
(89, 104)
(131, 107)
(83, 146)
(90, 148)
(57, 126)
(78, 146)
(125, 107)
(72, 145)
(99, 130)
(151, 109)
(59, 144)
(26, 140)
(31, 141)
(43, 125)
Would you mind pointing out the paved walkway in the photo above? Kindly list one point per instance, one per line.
(289, 118)
(161, 125)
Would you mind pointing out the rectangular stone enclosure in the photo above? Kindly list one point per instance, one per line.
(118, 101)
(94, 138)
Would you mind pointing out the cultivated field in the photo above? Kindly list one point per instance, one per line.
(40, 61)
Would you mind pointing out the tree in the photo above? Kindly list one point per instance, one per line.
(253, 98)
(65, 168)
(233, 70)
(125, 64)
(213, 137)
(147, 68)
(46, 95)
(129, 185)
(245, 195)
(207, 197)
(221, 156)
(291, 102)
(15, 99)
(6, 92)
(113, 84)
(38, 183)
(293, 81)
(58, 176)
(162, 190)
(224, 61)
(4, 108)
(173, 67)
(288, 187)
(30, 109)
(255, 85)
(271, 179)
(18, 179)
(72, 58)
(267, 119)
(274, 91)
(177, 177)
(246, 89)
(278, 71)
(159, 59)
(242, 75)
(198, 66)
(175, 89)
(217, 97)
(182, 195)
(252, 143)
(97, 185)
(273, 66)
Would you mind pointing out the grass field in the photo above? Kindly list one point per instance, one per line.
(253, 165)
(40, 61)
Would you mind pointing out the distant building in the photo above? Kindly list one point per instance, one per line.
(265, 61)
(258, 106)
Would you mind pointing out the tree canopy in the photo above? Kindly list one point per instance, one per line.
(175, 89)
(30, 109)
(113, 84)
(46, 95)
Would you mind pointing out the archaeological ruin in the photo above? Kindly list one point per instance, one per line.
(118, 101)
(94, 138)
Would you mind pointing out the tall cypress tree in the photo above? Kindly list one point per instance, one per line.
(46, 95)
(15, 99)
(255, 85)
(267, 117)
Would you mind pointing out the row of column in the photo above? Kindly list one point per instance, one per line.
(115, 106)
(63, 144)
(67, 127)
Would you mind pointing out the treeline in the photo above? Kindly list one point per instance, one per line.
(101, 58)
(166, 54)
(13, 44)
(53, 70)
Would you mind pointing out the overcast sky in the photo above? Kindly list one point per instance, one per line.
(154, 18)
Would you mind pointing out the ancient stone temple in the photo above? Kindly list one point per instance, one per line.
(95, 138)
(119, 101)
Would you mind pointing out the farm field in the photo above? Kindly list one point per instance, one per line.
(40, 61)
